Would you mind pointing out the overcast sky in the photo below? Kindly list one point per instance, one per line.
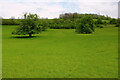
(52, 8)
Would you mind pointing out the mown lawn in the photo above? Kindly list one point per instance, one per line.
(61, 53)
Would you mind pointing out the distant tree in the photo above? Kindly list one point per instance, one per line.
(99, 21)
(104, 22)
(29, 25)
(44, 23)
(113, 21)
(108, 18)
(86, 25)
(75, 15)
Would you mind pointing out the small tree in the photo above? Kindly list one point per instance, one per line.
(86, 25)
(99, 21)
(113, 21)
(29, 25)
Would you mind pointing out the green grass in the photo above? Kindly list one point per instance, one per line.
(102, 20)
(61, 53)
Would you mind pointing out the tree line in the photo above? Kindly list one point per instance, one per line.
(63, 18)
(31, 24)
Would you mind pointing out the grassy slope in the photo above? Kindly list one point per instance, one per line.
(61, 54)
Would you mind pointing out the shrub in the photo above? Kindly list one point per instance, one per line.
(113, 21)
(79, 28)
(97, 25)
(43, 28)
(117, 25)
(86, 25)
(105, 23)
(101, 26)
(99, 21)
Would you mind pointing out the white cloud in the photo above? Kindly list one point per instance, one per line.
(52, 8)
(103, 8)
(98, 1)
(59, 0)
(42, 9)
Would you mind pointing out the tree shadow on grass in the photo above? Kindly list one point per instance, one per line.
(24, 37)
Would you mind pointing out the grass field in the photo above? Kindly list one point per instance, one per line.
(61, 53)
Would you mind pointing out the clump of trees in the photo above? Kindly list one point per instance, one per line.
(65, 21)
(62, 24)
(29, 25)
(86, 25)
(113, 21)
(71, 20)
(99, 21)
(76, 15)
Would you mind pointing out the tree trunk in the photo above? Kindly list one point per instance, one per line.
(30, 34)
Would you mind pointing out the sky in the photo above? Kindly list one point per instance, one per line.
(53, 8)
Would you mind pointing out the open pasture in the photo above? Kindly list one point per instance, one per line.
(60, 53)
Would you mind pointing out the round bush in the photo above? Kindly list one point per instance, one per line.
(86, 25)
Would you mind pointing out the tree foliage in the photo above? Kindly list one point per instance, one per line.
(99, 21)
(118, 23)
(29, 25)
(10, 21)
(86, 25)
(113, 21)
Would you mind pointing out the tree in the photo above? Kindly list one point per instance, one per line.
(86, 25)
(108, 18)
(113, 21)
(99, 21)
(29, 25)
(44, 24)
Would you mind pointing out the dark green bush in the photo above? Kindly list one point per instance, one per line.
(11, 21)
(86, 25)
(97, 25)
(101, 26)
(105, 22)
(113, 21)
(99, 21)
(117, 25)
